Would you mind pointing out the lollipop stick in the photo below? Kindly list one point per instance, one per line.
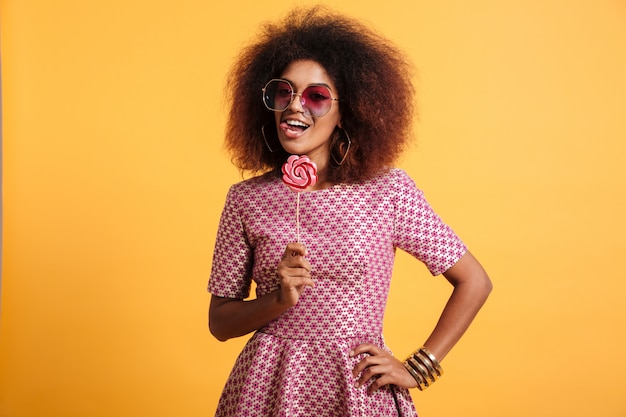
(298, 217)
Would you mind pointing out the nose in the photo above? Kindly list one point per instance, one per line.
(297, 103)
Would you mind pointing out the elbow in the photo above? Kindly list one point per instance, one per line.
(487, 286)
(220, 338)
(217, 332)
(217, 319)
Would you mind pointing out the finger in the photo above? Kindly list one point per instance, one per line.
(291, 289)
(366, 363)
(365, 348)
(294, 249)
(379, 383)
(298, 282)
(294, 263)
(295, 259)
(286, 272)
(360, 367)
(372, 372)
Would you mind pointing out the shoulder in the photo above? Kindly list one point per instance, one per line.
(266, 183)
(252, 192)
(396, 180)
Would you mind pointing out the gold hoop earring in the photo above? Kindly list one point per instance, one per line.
(265, 139)
(347, 143)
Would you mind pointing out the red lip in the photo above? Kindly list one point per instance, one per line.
(293, 131)
(294, 118)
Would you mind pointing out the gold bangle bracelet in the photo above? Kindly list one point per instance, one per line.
(420, 369)
(420, 383)
(433, 360)
(434, 375)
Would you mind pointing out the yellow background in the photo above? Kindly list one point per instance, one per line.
(114, 179)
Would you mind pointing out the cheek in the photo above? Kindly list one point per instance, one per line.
(331, 122)
(324, 131)
(335, 118)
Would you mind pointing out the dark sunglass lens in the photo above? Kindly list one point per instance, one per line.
(277, 95)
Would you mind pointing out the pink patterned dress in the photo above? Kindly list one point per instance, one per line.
(298, 365)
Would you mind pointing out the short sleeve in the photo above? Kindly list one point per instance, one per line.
(419, 231)
(232, 257)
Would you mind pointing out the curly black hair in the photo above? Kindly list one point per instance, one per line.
(371, 75)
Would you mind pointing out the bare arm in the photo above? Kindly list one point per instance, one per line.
(230, 317)
(471, 288)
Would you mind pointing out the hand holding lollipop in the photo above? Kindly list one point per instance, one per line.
(299, 172)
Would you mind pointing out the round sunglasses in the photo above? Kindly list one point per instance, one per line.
(278, 94)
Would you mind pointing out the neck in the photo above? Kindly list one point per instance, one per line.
(322, 176)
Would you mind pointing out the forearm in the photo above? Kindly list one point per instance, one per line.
(462, 307)
(471, 289)
(230, 318)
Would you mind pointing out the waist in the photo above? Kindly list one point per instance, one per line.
(310, 340)
(303, 326)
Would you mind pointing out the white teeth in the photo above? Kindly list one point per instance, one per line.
(296, 123)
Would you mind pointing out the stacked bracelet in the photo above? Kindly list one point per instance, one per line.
(423, 367)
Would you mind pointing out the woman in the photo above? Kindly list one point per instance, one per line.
(325, 86)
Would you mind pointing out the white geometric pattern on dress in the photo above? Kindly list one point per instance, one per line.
(298, 364)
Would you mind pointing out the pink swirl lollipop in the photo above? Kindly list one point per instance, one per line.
(299, 172)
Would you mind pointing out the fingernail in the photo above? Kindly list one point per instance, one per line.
(351, 353)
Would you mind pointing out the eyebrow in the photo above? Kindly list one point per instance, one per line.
(309, 85)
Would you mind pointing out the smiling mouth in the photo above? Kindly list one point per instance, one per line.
(294, 126)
